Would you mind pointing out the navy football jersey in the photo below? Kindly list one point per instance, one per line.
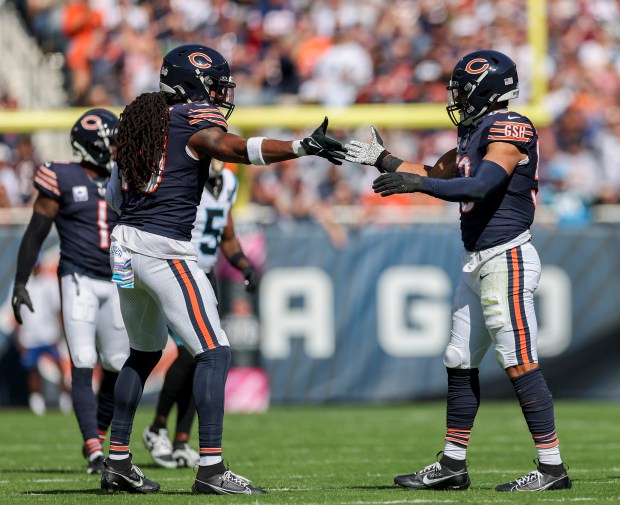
(509, 210)
(167, 204)
(84, 220)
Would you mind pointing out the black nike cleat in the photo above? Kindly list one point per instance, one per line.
(132, 481)
(538, 480)
(224, 483)
(436, 477)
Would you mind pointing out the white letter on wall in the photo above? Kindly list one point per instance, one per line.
(312, 320)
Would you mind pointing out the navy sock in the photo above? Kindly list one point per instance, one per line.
(84, 402)
(537, 407)
(463, 401)
(463, 398)
(105, 400)
(178, 385)
(209, 381)
(127, 394)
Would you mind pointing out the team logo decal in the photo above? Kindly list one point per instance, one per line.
(80, 193)
(200, 60)
(91, 122)
(477, 66)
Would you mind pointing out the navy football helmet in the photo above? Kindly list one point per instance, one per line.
(194, 73)
(480, 80)
(93, 137)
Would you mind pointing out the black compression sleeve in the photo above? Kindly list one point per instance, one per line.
(38, 228)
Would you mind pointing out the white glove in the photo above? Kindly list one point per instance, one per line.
(366, 154)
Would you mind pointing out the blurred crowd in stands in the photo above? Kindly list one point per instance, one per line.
(342, 52)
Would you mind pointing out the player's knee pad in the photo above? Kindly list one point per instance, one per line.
(453, 357)
(502, 360)
(113, 363)
(84, 358)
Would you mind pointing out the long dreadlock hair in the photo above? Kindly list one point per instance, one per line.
(142, 133)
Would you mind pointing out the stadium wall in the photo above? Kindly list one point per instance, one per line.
(369, 322)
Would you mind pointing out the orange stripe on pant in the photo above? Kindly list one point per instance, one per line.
(194, 301)
(516, 288)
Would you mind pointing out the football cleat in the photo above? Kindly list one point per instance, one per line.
(437, 477)
(95, 466)
(159, 447)
(224, 483)
(132, 481)
(537, 480)
(185, 456)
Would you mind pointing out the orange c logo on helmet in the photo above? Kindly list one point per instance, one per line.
(470, 66)
(91, 122)
(200, 60)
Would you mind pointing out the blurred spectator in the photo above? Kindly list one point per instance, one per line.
(340, 52)
(39, 336)
(25, 165)
(8, 178)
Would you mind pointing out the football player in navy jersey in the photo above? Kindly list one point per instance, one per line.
(492, 172)
(72, 195)
(214, 230)
(166, 141)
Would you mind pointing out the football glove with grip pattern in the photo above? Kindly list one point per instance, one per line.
(372, 154)
(397, 182)
(319, 144)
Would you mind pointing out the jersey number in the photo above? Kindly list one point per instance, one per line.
(212, 235)
(102, 223)
(463, 164)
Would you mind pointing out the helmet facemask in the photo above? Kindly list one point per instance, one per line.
(96, 148)
(220, 92)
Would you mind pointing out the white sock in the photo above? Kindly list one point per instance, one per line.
(454, 451)
(549, 455)
(210, 460)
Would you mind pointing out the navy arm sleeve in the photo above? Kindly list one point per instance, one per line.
(38, 228)
(490, 176)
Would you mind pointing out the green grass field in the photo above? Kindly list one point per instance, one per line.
(341, 454)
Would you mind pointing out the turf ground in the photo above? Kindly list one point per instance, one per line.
(341, 454)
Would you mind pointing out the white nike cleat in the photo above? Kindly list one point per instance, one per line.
(185, 456)
(159, 447)
(437, 477)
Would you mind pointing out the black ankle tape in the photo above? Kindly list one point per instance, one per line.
(204, 472)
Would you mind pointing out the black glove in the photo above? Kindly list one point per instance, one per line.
(397, 182)
(319, 144)
(251, 279)
(20, 297)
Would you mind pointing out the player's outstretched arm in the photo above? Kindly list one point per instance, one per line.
(377, 155)
(493, 172)
(232, 148)
(233, 252)
(44, 211)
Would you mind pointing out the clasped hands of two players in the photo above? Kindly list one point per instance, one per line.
(389, 182)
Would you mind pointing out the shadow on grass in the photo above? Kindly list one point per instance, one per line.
(66, 471)
(61, 492)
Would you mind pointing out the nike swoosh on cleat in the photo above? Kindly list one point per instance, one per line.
(429, 482)
(136, 483)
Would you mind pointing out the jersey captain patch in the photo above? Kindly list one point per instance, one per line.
(511, 130)
(80, 193)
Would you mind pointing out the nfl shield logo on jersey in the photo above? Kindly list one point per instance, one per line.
(80, 193)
